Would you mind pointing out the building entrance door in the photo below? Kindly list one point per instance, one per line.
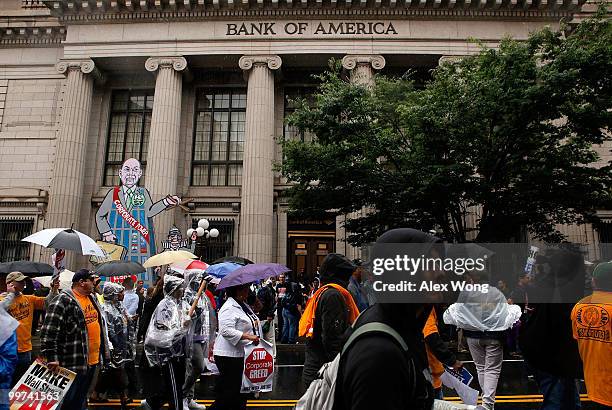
(307, 253)
(308, 243)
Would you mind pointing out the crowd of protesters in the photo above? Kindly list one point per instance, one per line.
(93, 329)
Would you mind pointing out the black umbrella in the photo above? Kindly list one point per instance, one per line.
(28, 268)
(234, 259)
(119, 268)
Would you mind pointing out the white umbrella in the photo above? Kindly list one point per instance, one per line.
(62, 238)
(65, 279)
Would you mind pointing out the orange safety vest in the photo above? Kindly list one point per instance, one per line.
(308, 316)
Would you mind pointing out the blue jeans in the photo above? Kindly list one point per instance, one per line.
(76, 396)
(290, 324)
(560, 393)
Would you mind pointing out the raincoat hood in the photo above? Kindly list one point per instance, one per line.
(336, 268)
(483, 312)
(171, 284)
(409, 317)
(111, 290)
(7, 326)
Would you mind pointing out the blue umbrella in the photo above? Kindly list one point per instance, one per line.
(252, 273)
(221, 270)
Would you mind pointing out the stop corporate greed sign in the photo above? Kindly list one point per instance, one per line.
(40, 388)
(258, 368)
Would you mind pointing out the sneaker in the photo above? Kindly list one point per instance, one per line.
(191, 404)
(144, 405)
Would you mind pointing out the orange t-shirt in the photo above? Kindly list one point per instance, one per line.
(93, 328)
(436, 367)
(22, 310)
(592, 328)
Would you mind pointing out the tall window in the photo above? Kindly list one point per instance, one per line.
(12, 231)
(292, 95)
(218, 143)
(128, 131)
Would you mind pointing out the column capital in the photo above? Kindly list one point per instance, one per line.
(178, 63)
(272, 61)
(86, 66)
(351, 61)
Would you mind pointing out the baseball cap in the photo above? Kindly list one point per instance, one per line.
(15, 277)
(83, 274)
(603, 275)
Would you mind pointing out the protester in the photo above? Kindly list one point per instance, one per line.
(238, 326)
(376, 372)
(154, 296)
(130, 300)
(292, 304)
(281, 289)
(555, 366)
(149, 374)
(74, 336)
(198, 339)
(165, 346)
(328, 314)
(356, 288)
(22, 309)
(592, 329)
(140, 292)
(8, 349)
(123, 344)
(267, 296)
(484, 317)
(438, 353)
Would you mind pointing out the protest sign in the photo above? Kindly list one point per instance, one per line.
(40, 388)
(462, 374)
(258, 368)
(468, 395)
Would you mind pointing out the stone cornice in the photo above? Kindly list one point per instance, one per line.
(17, 36)
(95, 11)
(86, 66)
(177, 63)
(351, 61)
(272, 61)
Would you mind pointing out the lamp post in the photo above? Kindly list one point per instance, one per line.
(203, 231)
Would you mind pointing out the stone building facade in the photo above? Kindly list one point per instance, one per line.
(197, 91)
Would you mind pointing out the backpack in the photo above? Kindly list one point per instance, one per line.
(321, 392)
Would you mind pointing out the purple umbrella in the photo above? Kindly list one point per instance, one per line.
(252, 273)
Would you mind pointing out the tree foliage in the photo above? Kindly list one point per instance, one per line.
(507, 135)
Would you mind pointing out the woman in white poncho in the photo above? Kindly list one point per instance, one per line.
(123, 342)
(165, 345)
(484, 317)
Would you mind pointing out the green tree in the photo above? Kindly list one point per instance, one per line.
(508, 132)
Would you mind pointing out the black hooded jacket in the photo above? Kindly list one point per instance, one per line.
(331, 317)
(375, 372)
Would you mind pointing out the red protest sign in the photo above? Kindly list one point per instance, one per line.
(119, 279)
(258, 365)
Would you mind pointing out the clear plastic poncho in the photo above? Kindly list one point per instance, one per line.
(165, 338)
(120, 332)
(8, 324)
(484, 312)
(203, 323)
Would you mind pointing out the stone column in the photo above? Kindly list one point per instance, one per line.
(362, 67)
(161, 173)
(70, 146)
(256, 211)
(362, 72)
